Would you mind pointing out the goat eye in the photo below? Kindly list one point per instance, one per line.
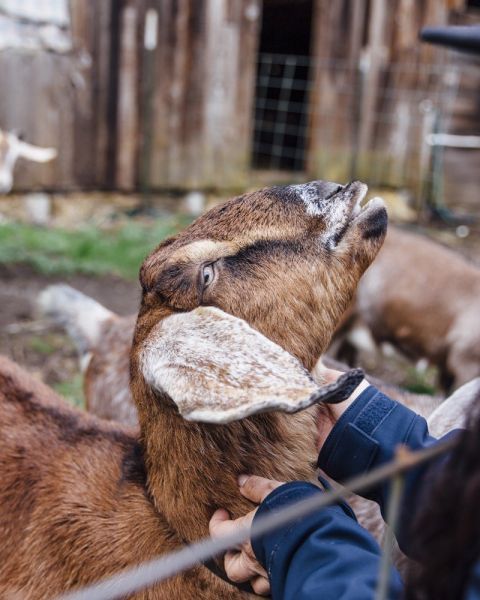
(208, 274)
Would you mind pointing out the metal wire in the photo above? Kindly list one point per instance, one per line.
(286, 122)
(155, 571)
(393, 512)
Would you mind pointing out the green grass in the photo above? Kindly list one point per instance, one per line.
(420, 382)
(85, 250)
(72, 390)
(41, 345)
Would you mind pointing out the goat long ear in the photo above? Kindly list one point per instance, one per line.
(35, 153)
(217, 369)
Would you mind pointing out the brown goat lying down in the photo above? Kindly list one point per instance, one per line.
(81, 498)
(425, 299)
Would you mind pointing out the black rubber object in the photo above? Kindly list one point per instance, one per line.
(465, 38)
(340, 390)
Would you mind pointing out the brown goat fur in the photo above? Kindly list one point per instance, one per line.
(81, 498)
(425, 299)
(106, 383)
(74, 500)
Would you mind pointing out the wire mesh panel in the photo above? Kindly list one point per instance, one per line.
(281, 112)
(339, 120)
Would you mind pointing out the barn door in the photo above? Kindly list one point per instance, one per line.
(283, 86)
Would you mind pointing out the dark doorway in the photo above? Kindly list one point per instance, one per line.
(282, 85)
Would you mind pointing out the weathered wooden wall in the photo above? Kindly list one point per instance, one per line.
(376, 88)
(179, 114)
(121, 115)
(194, 121)
(206, 120)
(59, 99)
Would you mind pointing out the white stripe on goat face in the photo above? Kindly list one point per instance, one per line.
(315, 196)
(321, 200)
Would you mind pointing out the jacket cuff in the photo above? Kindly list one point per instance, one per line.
(366, 435)
(264, 546)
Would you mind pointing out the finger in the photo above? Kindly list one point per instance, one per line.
(239, 567)
(221, 525)
(256, 488)
(217, 525)
(261, 586)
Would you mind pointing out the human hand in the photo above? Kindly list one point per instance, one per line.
(241, 564)
(327, 419)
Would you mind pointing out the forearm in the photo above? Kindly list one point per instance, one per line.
(327, 554)
(366, 436)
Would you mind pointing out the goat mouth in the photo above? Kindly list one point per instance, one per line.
(346, 210)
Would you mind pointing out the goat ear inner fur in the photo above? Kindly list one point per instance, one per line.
(217, 369)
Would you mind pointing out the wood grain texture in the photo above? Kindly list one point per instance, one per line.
(368, 118)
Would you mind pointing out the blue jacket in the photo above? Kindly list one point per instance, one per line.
(328, 555)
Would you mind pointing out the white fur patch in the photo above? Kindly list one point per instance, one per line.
(202, 250)
(453, 411)
(309, 196)
(82, 316)
(336, 208)
(217, 369)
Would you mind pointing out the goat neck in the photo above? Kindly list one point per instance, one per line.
(192, 468)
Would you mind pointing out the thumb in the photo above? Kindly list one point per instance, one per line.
(256, 488)
(216, 525)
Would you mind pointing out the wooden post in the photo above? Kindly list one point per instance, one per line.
(334, 98)
(127, 120)
(205, 73)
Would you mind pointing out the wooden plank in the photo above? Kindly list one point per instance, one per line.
(127, 108)
(375, 58)
(334, 99)
(101, 77)
(83, 16)
(205, 66)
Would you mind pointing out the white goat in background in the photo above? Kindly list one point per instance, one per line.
(12, 148)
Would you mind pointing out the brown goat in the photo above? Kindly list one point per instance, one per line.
(104, 340)
(424, 299)
(81, 498)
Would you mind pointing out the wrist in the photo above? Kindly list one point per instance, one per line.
(337, 410)
(329, 414)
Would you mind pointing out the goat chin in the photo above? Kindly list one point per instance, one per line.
(81, 498)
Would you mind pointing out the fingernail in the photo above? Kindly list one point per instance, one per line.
(242, 479)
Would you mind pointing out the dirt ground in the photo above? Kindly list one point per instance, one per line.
(46, 350)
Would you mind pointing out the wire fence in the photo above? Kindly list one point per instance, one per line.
(313, 115)
(158, 570)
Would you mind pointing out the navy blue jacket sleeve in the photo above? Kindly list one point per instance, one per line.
(327, 555)
(366, 437)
